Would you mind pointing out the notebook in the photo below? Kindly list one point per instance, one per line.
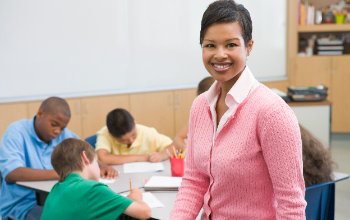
(143, 167)
(149, 199)
(163, 183)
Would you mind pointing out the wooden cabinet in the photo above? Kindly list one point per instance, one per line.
(168, 111)
(9, 113)
(95, 110)
(340, 93)
(154, 109)
(333, 72)
(182, 106)
(313, 71)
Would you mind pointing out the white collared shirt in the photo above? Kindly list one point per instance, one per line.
(245, 85)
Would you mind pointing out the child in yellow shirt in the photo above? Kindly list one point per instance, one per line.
(123, 141)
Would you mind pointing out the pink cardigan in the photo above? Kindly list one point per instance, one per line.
(253, 170)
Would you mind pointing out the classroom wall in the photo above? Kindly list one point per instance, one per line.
(88, 48)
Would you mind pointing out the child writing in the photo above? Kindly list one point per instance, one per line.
(123, 141)
(181, 138)
(79, 195)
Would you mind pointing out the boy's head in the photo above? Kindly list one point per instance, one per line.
(74, 155)
(227, 11)
(121, 125)
(205, 84)
(51, 118)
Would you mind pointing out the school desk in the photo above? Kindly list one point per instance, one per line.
(121, 184)
(42, 188)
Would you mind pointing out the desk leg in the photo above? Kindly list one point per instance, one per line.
(41, 198)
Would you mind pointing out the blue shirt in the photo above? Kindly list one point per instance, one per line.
(21, 147)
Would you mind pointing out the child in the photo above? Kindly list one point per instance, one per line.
(181, 138)
(123, 141)
(317, 161)
(79, 195)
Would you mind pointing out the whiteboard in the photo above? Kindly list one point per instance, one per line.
(73, 48)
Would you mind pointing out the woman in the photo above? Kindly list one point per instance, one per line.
(244, 157)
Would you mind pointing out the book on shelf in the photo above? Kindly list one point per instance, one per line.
(339, 52)
(330, 48)
(306, 13)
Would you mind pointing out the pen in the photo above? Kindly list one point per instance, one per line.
(154, 145)
(130, 186)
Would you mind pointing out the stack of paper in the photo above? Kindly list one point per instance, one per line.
(143, 167)
(149, 199)
(163, 183)
(106, 180)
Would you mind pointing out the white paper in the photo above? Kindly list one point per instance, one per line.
(143, 167)
(105, 180)
(149, 199)
(164, 181)
(200, 214)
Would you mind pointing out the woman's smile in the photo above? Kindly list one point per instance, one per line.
(221, 67)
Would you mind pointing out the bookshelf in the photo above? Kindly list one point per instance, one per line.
(331, 71)
(324, 28)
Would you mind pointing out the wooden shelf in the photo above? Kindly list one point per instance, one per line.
(324, 28)
(309, 103)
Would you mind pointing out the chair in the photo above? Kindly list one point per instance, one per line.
(91, 140)
(320, 201)
(11, 217)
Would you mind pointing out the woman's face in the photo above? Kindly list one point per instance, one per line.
(224, 53)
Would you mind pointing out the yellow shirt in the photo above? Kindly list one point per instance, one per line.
(143, 143)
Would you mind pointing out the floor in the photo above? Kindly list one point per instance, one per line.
(340, 148)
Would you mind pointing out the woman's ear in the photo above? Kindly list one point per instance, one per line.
(250, 47)
(85, 159)
(134, 119)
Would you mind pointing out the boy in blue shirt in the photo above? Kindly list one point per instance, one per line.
(25, 155)
(79, 195)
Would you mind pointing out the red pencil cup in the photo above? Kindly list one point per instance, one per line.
(177, 166)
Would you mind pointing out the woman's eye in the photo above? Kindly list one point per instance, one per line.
(209, 45)
(232, 45)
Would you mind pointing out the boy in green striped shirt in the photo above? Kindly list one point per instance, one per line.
(79, 195)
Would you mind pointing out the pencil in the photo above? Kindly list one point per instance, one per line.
(184, 153)
(130, 185)
(154, 145)
(174, 152)
(167, 151)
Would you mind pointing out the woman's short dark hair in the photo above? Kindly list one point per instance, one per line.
(226, 11)
(119, 122)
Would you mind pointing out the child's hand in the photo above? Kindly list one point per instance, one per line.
(155, 157)
(108, 172)
(135, 195)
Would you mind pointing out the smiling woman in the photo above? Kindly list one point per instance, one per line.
(244, 151)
